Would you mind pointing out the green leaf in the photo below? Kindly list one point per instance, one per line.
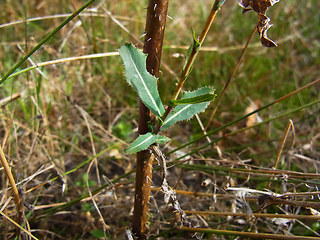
(144, 141)
(194, 48)
(193, 100)
(187, 111)
(140, 79)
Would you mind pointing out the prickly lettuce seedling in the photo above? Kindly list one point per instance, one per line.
(190, 104)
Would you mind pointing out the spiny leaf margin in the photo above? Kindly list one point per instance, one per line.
(187, 111)
(140, 79)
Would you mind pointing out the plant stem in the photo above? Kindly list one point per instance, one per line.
(155, 25)
(186, 71)
(215, 8)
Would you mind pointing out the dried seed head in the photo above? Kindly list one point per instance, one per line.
(261, 7)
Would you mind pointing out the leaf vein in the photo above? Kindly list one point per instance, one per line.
(177, 113)
(146, 140)
(145, 87)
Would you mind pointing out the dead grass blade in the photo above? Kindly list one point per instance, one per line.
(256, 215)
(93, 161)
(246, 234)
(289, 126)
(64, 60)
(14, 188)
(33, 50)
(17, 225)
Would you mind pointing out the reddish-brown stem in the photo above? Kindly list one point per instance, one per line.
(215, 8)
(155, 25)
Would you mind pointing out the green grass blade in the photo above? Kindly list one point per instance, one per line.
(50, 35)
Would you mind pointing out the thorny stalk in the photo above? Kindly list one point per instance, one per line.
(154, 32)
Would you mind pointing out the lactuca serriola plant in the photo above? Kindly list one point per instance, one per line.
(190, 104)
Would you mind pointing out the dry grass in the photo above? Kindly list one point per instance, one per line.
(60, 116)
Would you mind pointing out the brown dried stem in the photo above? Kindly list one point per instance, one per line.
(264, 215)
(289, 126)
(155, 25)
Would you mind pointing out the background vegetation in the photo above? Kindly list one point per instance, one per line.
(63, 114)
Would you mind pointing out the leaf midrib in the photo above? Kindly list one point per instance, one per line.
(145, 87)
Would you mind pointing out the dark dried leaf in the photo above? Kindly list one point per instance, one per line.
(261, 7)
(263, 26)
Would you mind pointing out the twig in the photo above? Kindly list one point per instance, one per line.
(230, 78)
